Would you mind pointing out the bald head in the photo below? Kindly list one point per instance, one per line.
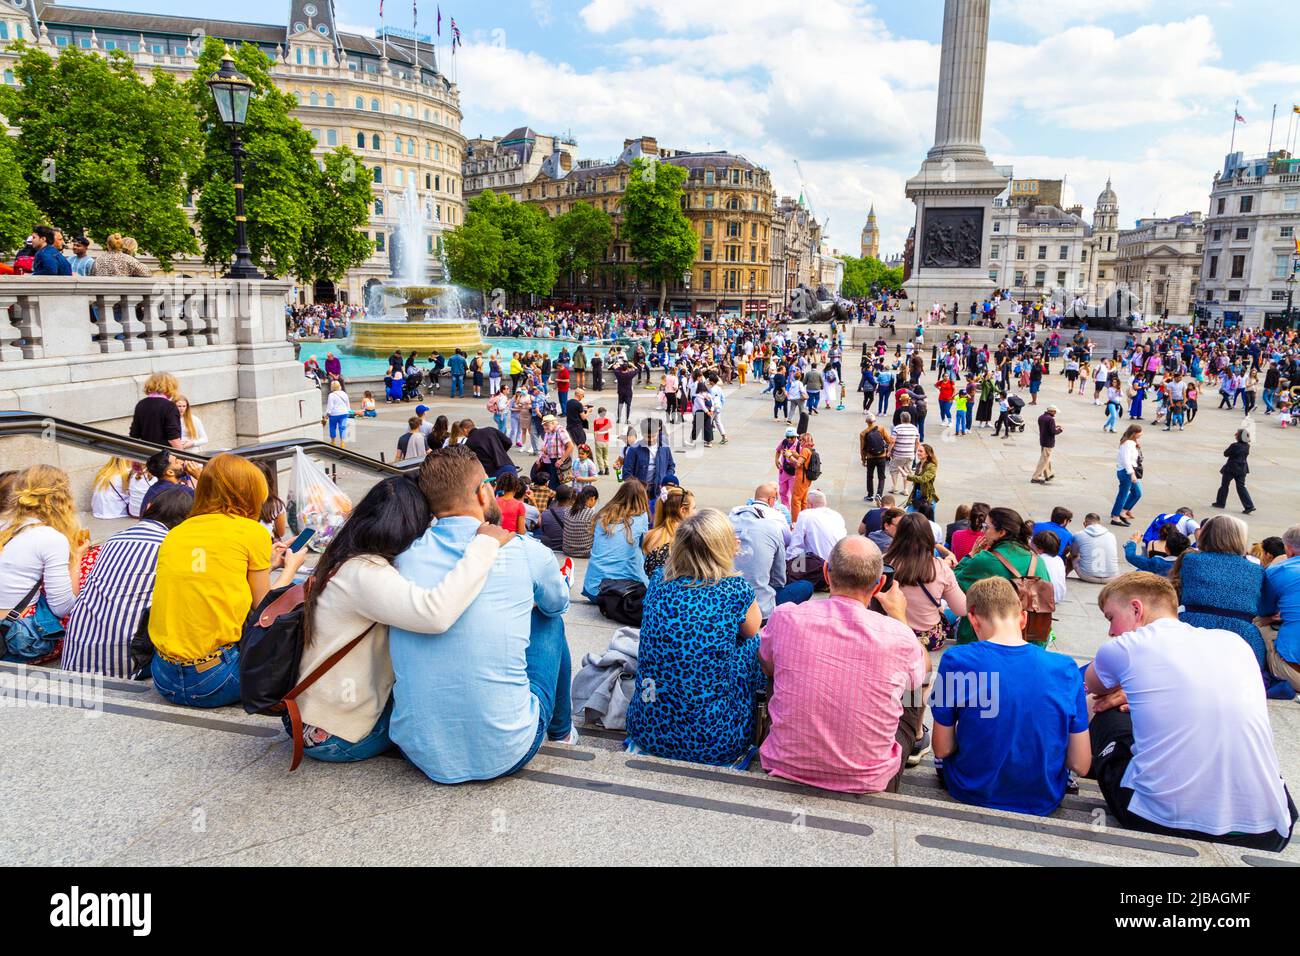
(816, 498)
(766, 491)
(855, 566)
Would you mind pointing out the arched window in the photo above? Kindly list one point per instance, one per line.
(374, 106)
(437, 184)
(379, 174)
(314, 99)
(410, 147)
(361, 103)
(428, 150)
(361, 140)
(379, 207)
(298, 55)
(329, 99)
(315, 134)
(311, 57)
(428, 181)
(376, 142)
(331, 137)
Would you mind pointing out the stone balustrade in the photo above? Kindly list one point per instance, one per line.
(82, 348)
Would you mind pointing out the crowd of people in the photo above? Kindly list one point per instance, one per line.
(932, 638)
(47, 252)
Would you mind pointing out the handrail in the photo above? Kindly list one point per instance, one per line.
(14, 423)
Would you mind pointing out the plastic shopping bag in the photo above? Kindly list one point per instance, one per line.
(316, 502)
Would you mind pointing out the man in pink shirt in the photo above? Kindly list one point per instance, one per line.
(847, 696)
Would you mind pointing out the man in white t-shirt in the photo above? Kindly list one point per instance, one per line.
(1181, 741)
(1094, 552)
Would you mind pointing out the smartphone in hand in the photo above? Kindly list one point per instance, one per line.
(300, 542)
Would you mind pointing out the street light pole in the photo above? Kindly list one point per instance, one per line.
(1290, 296)
(232, 91)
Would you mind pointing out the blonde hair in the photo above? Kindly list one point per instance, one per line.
(162, 383)
(115, 469)
(628, 502)
(130, 246)
(993, 599)
(188, 416)
(673, 508)
(704, 549)
(230, 485)
(41, 492)
(114, 242)
(1152, 589)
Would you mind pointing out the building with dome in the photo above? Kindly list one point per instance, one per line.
(383, 96)
(871, 236)
(1103, 245)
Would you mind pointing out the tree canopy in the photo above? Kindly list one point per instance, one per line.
(505, 244)
(103, 150)
(861, 274)
(17, 211)
(659, 233)
(582, 236)
(302, 219)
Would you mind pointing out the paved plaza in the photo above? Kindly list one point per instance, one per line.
(140, 781)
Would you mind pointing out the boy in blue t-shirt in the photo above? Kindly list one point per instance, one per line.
(1010, 719)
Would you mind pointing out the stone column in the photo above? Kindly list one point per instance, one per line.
(961, 80)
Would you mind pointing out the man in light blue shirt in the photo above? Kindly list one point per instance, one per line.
(80, 259)
(1282, 597)
(477, 701)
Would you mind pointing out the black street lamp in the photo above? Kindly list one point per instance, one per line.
(1290, 299)
(232, 90)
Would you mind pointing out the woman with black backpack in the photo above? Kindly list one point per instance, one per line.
(356, 592)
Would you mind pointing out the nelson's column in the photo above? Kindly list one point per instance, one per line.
(955, 188)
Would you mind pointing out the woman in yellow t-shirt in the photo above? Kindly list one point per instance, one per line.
(212, 568)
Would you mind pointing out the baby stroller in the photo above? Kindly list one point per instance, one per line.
(411, 385)
(1015, 420)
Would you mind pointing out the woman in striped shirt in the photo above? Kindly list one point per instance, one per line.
(119, 591)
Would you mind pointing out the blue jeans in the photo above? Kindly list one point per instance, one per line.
(882, 398)
(185, 684)
(961, 421)
(338, 426)
(795, 592)
(1269, 395)
(945, 411)
(337, 750)
(1112, 416)
(458, 386)
(1130, 490)
(549, 672)
(563, 400)
(814, 398)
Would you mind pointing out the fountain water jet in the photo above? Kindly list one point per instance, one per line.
(431, 317)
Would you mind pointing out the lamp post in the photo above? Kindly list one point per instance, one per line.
(686, 284)
(232, 90)
(1290, 297)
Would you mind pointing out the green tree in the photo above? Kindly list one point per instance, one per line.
(333, 242)
(105, 150)
(660, 236)
(861, 274)
(474, 253)
(302, 219)
(582, 237)
(17, 212)
(522, 260)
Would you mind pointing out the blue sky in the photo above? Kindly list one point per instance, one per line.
(1140, 90)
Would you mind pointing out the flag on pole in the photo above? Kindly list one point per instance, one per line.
(455, 36)
(1239, 117)
(415, 15)
(381, 9)
(440, 33)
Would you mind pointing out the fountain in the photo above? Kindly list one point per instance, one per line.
(411, 313)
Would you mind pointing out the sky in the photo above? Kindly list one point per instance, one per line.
(1142, 91)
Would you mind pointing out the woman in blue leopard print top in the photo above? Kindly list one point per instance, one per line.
(698, 663)
(1218, 586)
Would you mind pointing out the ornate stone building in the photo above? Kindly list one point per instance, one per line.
(1035, 250)
(1159, 262)
(505, 164)
(384, 97)
(1251, 255)
(1102, 247)
(730, 203)
(871, 236)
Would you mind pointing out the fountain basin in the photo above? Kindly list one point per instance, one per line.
(380, 339)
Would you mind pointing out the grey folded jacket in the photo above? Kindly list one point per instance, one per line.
(604, 685)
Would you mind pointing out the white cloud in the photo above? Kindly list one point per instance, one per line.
(854, 102)
(1052, 14)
